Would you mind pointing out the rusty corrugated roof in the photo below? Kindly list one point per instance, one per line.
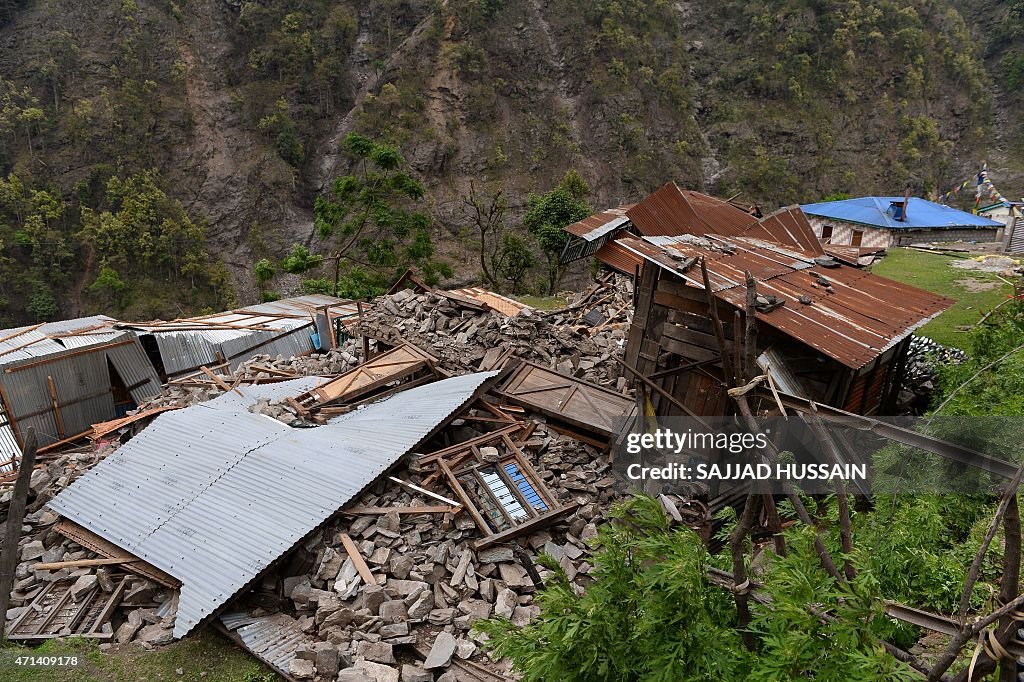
(851, 255)
(615, 256)
(671, 211)
(860, 319)
(599, 224)
(787, 226)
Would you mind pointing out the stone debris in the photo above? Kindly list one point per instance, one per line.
(413, 623)
(582, 341)
(920, 377)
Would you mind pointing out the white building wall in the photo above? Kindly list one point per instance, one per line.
(842, 232)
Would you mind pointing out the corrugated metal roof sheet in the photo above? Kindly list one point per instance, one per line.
(877, 212)
(275, 328)
(274, 638)
(212, 494)
(863, 316)
(671, 211)
(600, 224)
(35, 341)
(789, 227)
(615, 256)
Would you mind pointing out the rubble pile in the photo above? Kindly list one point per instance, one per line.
(431, 584)
(581, 340)
(918, 383)
(149, 607)
(333, 362)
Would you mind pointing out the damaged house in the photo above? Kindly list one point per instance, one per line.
(824, 331)
(288, 327)
(60, 378)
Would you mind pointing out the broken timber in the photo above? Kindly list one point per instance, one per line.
(572, 401)
(396, 365)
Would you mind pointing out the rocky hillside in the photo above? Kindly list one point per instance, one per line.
(129, 128)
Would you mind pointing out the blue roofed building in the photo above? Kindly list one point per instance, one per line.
(881, 222)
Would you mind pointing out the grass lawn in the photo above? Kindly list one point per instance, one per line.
(933, 272)
(542, 302)
(203, 652)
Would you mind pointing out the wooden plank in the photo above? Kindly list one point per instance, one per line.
(533, 524)
(357, 559)
(79, 563)
(20, 332)
(72, 354)
(217, 380)
(674, 302)
(423, 491)
(394, 365)
(12, 529)
(422, 509)
(562, 398)
(90, 540)
(56, 407)
(466, 501)
(691, 336)
(687, 350)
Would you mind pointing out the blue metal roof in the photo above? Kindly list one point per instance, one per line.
(881, 212)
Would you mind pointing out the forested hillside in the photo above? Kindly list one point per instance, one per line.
(153, 151)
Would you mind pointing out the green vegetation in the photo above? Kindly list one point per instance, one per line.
(204, 652)
(547, 216)
(974, 291)
(366, 230)
(651, 615)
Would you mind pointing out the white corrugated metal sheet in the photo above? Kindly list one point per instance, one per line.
(21, 343)
(212, 494)
(74, 355)
(276, 328)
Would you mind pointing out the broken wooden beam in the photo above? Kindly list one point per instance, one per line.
(357, 559)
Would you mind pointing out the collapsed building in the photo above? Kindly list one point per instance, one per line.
(348, 515)
(60, 378)
(824, 331)
(341, 515)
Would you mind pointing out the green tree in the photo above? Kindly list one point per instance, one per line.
(42, 306)
(364, 221)
(264, 272)
(514, 261)
(109, 283)
(649, 614)
(549, 214)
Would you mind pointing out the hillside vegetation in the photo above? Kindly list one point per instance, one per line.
(153, 151)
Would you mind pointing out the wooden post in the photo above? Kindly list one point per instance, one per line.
(750, 338)
(727, 368)
(56, 407)
(12, 531)
(362, 332)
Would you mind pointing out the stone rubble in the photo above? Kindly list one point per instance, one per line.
(579, 342)
(415, 623)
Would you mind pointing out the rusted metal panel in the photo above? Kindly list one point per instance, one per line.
(618, 258)
(853, 320)
(671, 211)
(600, 224)
(852, 255)
(789, 227)
(571, 400)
